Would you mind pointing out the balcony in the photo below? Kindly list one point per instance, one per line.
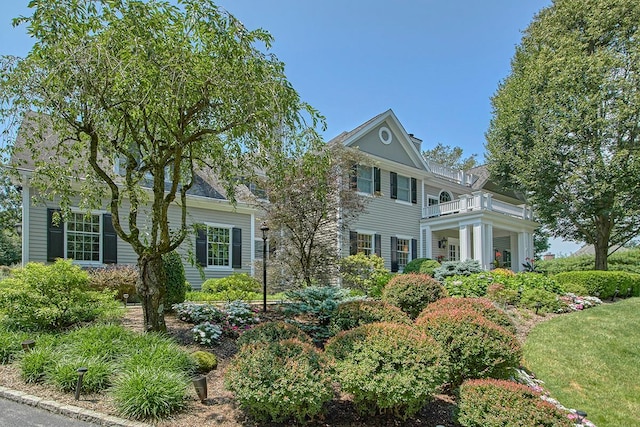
(477, 202)
(457, 176)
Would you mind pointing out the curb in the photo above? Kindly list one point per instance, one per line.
(69, 411)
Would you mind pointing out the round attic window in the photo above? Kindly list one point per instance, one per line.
(385, 135)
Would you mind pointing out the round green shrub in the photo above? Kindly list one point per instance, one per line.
(268, 332)
(602, 284)
(476, 347)
(205, 361)
(498, 403)
(481, 306)
(176, 279)
(147, 393)
(457, 268)
(412, 292)
(421, 265)
(352, 314)
(237, 286)
(365, 273)
(280, 380)
(387, 367)
(541, 300)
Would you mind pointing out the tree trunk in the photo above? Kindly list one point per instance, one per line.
(151, 287)
(602, 252)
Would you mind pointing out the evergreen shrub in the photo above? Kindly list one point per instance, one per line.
(176, 279)
(412, 292)
(422, 266)
(352, 314)
(237, 286)
(267, 332)
(482, 306)
(602, 284)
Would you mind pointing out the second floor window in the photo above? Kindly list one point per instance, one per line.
(218, 247)
(365, 179)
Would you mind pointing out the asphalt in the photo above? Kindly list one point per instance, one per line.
(21, 409)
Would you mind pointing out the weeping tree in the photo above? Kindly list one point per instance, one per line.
(566, 122)
(135, 99)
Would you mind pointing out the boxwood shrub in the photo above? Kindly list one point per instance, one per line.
(352, 314)
(602, 284)
(387, 367)
(482, 306)
(412, 292)
(237, 286)
(421, 265)
(476, 346)
(273, 331)
(280, 380)
(498, 403)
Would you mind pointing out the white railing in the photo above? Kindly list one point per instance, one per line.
(458, 176)
(477, 202)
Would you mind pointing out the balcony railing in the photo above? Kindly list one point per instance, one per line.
(458, 176)
(477, 202)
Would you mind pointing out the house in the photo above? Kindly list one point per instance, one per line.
(420, 209)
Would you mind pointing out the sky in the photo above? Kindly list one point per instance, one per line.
(435, 63)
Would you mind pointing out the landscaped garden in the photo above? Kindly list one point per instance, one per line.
(405, 349)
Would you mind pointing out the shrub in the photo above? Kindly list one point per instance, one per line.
(498, 403)
(481, 306)
(63, 374)
(197, 313)
(602, 284)
(622, 260)
(352, 314)
(457, 268)
(207, 334)
(280, 380)
(268, 332)
(205, 361)
(51, 297)
(541, 301)
(412, 292)
(502, 295)
(422, 266)
(117, 278)
(315, 306)
(365, 273)
(387, 367)
(238, 317)
(472, 286)
(477, 347)
(148, 393)
(10, 344)
(176, 279)
(237, 286)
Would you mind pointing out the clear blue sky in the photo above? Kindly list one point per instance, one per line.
(435, 63)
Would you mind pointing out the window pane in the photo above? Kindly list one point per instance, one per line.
(365, 244)
(402, 251)
(218, 246)
(365, 179)
(83, 237)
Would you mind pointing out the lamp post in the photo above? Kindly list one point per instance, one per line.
(264, 228)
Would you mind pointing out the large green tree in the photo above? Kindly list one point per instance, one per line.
(566, 121)
(450, 156)
(162, 91)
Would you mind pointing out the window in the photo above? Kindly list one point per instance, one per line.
(404, 188)
(453, 253)
(365, 179)
(432, 200)
(83, 237)
(365, 244)
(445, 196)
(218, 247)
(403, 251)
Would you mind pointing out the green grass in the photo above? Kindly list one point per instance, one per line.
(590, 360)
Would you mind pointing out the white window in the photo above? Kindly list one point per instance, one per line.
(403, 249)
(365, 179)
(365, 244)
(218, 246)
(445, 196)
(83, 237)
(432, 200)
(404, 188)
(453, 253)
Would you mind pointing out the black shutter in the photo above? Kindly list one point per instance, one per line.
(394, 254)
(109, 241)
(55, 237)
(353, 243)
(236, 246)
(376, 180)
(353, 177)
(394, 184)
(201, 245)
(378, 244)
(414, 249)
(414, 190)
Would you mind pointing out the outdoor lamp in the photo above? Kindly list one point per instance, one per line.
(126, 298)
(581, 416)
(27, 345)
(200, 384)
(265, 229)
(81, 371)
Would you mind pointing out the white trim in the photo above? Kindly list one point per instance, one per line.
(402, 202)
(388, 140)
(360, 231)
(220, 267)
(253, 245)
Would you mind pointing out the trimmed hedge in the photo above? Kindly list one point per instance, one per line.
(237, 286)
(422, 266)
(477, 347)
(387, 367)
(481, 306)
(499, 403)
(412, 292)
(602, 284)
(352, 314)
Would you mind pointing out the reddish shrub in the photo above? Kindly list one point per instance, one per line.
(412, 292)
(476, 346)
(481, 306)
(497, 403)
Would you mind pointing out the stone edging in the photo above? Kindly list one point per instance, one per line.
(70, 411)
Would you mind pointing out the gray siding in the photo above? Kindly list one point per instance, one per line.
(370, 143)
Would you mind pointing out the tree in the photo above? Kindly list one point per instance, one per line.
(10, 202)
(161, 92)
(565, 126)
(307, 206)
(540, 242)
(450, 156)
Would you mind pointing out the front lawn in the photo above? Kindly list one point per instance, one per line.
(590, 360)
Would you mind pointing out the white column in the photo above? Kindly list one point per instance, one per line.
(427, 242)
(465, 242)
(487, 239)
(26, 203)
(478, 253)
(525, 245)
(516, 257)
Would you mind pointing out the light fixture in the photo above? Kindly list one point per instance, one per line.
(126, 299)
(442, 243)
(265, 229)
(200, 384)
(81, 371)
(581, 415)
(27, 345)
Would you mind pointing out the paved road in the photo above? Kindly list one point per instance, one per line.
(14, 414)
